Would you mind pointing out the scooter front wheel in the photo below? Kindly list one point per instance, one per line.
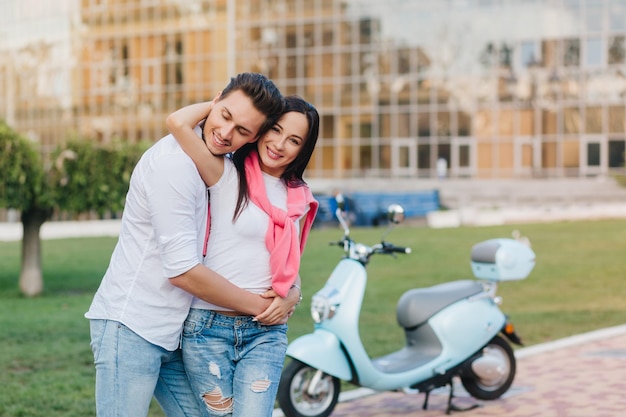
(491, 374)
(307, 392)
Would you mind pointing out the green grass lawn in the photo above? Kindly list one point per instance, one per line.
(577, 286)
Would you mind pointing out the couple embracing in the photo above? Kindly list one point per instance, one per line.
(193, 307)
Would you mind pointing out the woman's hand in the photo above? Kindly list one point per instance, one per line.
(280, 309)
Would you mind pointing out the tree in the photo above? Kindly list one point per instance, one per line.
(76, 178)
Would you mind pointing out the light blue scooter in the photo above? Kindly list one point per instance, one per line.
(452, 330)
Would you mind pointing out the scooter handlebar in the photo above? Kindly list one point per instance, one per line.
(391, 248)
(399, 249)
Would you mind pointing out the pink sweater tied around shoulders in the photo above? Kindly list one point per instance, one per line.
(282, 240)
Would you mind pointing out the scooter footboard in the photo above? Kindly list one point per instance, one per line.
(321, 350)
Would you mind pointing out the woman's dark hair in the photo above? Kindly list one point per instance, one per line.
(292, 176)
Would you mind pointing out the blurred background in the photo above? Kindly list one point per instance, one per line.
(406, 90)
(518, 105)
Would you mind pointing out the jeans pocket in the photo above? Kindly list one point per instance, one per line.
(96, 329)
(279, 328)
(195, 323)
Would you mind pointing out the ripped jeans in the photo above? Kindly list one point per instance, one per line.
(233, 363)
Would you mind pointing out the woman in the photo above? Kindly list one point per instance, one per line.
(261, 213)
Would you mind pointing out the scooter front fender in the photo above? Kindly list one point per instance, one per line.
(321, 350)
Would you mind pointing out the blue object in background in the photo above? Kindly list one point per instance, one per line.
(370, 208)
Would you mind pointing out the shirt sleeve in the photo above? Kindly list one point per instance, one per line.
(173, 189)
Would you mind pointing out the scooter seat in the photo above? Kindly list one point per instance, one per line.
(416, 306)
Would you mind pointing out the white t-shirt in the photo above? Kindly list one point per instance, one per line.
(161, 237)
(237, 250)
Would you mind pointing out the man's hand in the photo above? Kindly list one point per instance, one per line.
(280, 309)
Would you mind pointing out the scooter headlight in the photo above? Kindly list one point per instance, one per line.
(321, 309)
(361, 252)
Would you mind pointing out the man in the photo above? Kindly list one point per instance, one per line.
(137, 314)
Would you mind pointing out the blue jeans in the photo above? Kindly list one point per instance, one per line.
(130, 370)
(233, 363)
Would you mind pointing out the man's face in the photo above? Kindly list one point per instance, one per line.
(233, 122)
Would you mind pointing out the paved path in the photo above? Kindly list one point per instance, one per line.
(582, 376)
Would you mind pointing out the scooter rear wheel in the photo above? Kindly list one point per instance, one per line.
(496, 381)
(307, 392)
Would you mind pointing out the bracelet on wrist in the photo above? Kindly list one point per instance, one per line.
(300, 291)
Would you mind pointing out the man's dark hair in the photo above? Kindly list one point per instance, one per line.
(264, 94)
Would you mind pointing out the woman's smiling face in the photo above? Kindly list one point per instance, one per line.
(282, 143)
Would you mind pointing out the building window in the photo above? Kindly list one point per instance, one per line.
(404, 60)
(365, 156)
(529, 55)
(118, 75)
(571, 120)
(617, 153)
(549, 56)
(173, 62)
(571, 52)
(365, 31)
(464, 156)
(464, 121)
(593, 119)
(423, 124)
(506, 55)
(594, 16)
(616, 52)
(423, 156)
(593, 53)
(593, 154)
(617, 11)
(489, 55)
(617, 119)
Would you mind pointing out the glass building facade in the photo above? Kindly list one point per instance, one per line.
(496, 88)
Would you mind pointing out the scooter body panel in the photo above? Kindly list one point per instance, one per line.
(466, 326)
(463, 328)
(321, 350)
(349, 278)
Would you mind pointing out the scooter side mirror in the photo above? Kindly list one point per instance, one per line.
(395, 213)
